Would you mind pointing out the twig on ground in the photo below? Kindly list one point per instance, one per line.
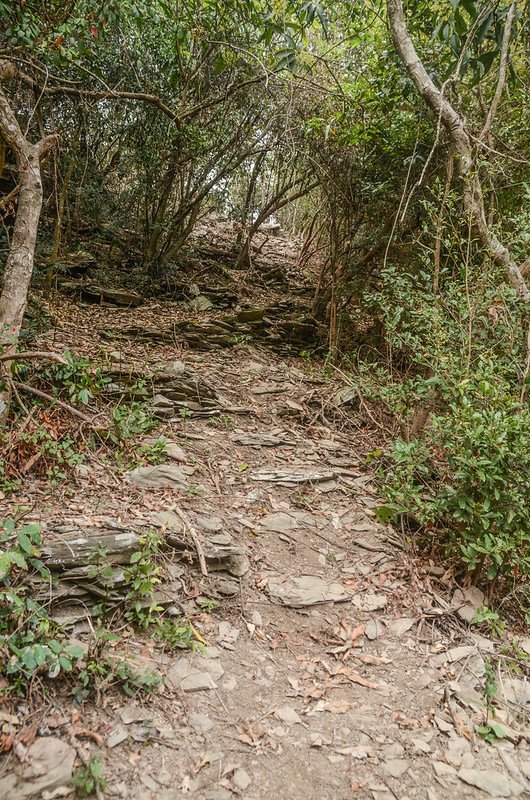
(195, 538)
(28, 355)
(45, 396)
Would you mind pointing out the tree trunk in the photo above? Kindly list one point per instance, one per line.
(275, 204)
(460, 138)
(19, 264)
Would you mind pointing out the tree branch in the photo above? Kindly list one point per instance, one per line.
(503, 67)
(31, 354)
(111, 94)
(45, 396)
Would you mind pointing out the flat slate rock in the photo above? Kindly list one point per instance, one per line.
(117, 297)
(73, 545)
(494, 783)
(194, 674)
(285, 521)
(292, 477)
(161, 476)
(49, 764)
(259, 440)
(306, 590)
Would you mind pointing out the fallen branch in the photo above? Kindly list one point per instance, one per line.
(195, 538)
(31, 354)
(45, 396)
(5, 201)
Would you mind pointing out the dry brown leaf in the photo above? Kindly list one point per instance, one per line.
(338, 706)
(357, 632)
(354, 678)
(356, 785)
(369, 658)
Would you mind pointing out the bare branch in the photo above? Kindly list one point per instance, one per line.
(503, 68)
(34, 354)
(45, 396)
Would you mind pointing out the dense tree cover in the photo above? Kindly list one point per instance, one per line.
(394, 140)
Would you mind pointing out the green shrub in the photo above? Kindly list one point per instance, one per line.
(470, 477)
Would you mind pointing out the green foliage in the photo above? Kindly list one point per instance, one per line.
(153, 452)
(128, 421)
(457, 355)
(30, 642)
(141, 577)
(495, 625)
(491, 731)
(80, 380)
(470, 477)
(56, 456)
(89, 779)
(102, 669)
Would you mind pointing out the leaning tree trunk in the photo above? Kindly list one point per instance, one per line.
(460, 138)
(19, 265)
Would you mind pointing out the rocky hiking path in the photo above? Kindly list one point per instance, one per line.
(336, 664)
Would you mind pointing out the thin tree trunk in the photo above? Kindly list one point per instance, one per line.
(274, 205)
(245, 212)
(19, 264)
(57, 232)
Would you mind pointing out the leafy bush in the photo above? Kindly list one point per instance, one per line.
(470, 476)
(463, 477)
(129, 421)
(89, 779)
(78, 381)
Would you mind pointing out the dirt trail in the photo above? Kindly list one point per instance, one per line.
(335, 667)
(369, 697)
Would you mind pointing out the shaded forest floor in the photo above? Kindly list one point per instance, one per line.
(337, 663)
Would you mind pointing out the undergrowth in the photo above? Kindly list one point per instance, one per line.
(47, 442)
(35, 649)
(458, 476)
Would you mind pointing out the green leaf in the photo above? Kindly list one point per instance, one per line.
(24, 542)
(5, 563)
(75, 651)
(18, 559)
(9, 526)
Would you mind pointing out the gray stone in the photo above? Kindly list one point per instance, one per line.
(400, 626)
(467, 602)
(370, 601)
(494, 783)
(373, 629)
(194, 674)
(49, 764)
(201, 303)
(515, 691)
(167, 520)
(283, 522)
(287, 715)
(284, 477)
(117, 735)
(201, 723)
(443, 770)
(160, 476)
(258, 440)
(458, 653)
(306, 591)
(241, 779)
(396, 767)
